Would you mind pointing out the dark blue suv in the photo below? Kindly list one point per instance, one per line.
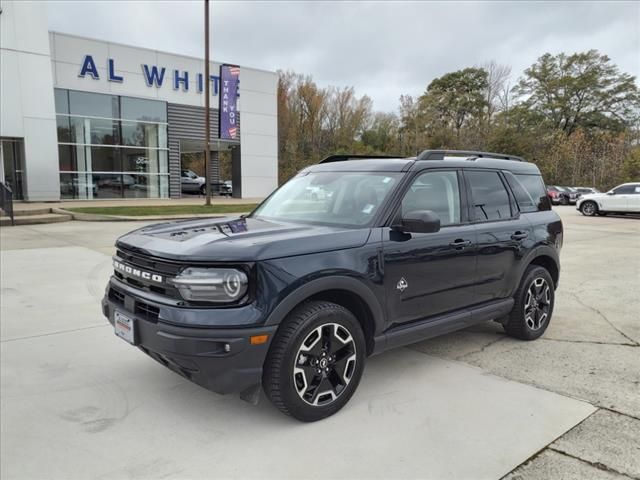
(351, 257)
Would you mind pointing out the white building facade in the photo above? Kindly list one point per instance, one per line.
(91, 119)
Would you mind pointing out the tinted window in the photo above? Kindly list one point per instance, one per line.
(105, 159)
(435, 191)
(523, 198)
(490, 200)
(625, 190)
(93, 104)
(534, 185)
(141, 109)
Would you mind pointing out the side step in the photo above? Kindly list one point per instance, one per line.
(435, 326)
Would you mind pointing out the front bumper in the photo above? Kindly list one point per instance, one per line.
(221, 359)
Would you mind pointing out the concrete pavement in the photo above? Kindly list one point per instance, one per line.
(473, 404)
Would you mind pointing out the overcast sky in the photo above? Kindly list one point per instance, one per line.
(383, 49)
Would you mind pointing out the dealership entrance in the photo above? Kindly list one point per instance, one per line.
(222, 179)
(12, 161)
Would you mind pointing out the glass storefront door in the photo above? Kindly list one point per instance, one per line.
(12, 159)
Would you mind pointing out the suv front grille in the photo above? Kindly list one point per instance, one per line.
(148, 265)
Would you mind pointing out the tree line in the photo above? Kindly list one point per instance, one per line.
(576, 116)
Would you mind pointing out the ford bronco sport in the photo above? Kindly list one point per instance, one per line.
(296, 295)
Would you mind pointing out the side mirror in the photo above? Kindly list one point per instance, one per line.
(420, 221)
(610, 192)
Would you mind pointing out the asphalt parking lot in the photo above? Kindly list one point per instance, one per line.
(77, 402)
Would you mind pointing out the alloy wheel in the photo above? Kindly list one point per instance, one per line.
(589, 208)
(324, 364)
(537, 304)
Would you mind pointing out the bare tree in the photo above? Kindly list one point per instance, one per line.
(497, 93)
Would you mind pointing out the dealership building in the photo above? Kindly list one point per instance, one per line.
(90, 119)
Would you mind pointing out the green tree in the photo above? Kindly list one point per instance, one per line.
(455, 101)
(582, 90)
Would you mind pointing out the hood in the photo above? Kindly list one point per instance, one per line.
(237, 239)
(592, 196)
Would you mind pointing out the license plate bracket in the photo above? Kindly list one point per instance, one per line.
(124, 327)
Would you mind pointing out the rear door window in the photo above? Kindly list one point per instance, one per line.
(489, 197)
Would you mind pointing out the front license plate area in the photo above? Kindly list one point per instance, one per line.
(125, 327)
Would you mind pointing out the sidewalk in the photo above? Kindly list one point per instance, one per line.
(131, 202)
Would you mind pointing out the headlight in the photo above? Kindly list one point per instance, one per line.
(219, 285)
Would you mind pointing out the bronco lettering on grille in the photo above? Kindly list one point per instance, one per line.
(135, 272)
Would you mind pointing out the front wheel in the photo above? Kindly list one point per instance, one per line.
(533, 305)
(589, 208)
(315, 362)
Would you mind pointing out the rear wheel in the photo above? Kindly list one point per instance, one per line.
(315, 362)
(589, 208)
(533, 305)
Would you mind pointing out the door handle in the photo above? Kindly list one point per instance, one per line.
(459, 244)
(519, 235)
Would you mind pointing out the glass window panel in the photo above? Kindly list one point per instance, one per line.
(64, 129)
(143, 109)
(78, 185)
(145, 186)
(105, 159)
(93, 104)
(163, 161)
(61, 100)
(140, 134)
(108, 185)
(104, 132)
(435, 191)
(535, 186)
(67, 158)
(525, 202)
(162, 136)
(490, 198)
(66, 185)
(140, 160)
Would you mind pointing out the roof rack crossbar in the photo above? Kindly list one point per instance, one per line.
(345, 157)
(440, 154)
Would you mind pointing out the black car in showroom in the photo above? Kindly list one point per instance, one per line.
(295, 296)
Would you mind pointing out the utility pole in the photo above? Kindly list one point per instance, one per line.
(207, 95)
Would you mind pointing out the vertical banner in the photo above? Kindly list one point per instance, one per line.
(229, 82)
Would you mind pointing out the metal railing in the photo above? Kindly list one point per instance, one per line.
(6, 201)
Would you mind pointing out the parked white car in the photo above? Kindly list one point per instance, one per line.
(624, 198)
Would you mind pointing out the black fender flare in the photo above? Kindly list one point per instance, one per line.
(539, 251)
(333, 282)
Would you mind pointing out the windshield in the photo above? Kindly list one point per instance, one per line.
(333, 198)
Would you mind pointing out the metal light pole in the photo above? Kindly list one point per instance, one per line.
(207, 123)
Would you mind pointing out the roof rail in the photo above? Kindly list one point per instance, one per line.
(345, 157)
(440, 154)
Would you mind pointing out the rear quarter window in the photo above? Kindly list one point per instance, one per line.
(534, 197)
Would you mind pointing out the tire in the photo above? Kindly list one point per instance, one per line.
(589, 208)
(203, 190)
(290, 376)
(527, 321)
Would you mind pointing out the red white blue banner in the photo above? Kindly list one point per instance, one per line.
(229, 84)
